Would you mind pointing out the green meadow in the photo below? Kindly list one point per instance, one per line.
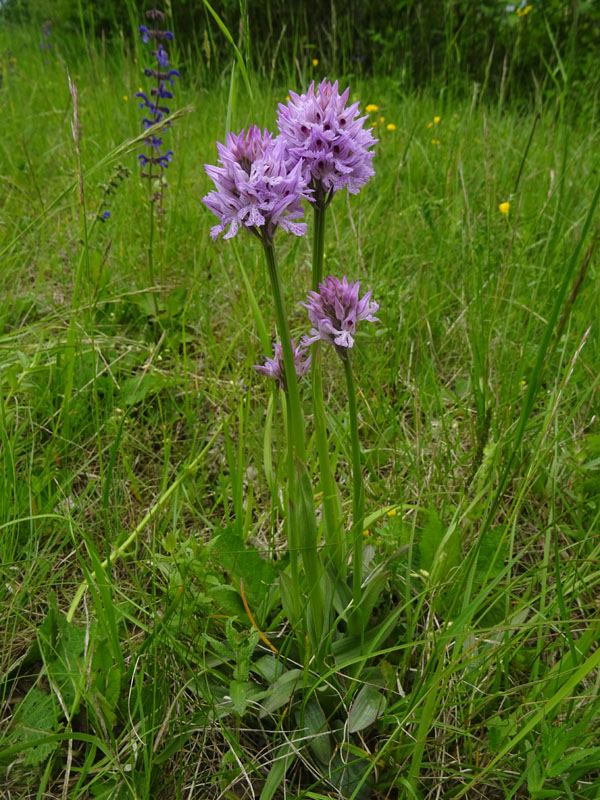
(147, 646)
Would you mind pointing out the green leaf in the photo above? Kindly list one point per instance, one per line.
(303, 518)
(228, 600)
(371, 594)
(368, 704)
(429, 540)
(245, 562)
(315, 726)
(289, 598)
(36, 716)
(281, 691)
(136, 389)
(573, 758)
(239, 699)
(284, 758)
(106, 682)
(439, 550)
(493, 549)
(176, 300)
(268, 667)
(353, 777)
(62, 646)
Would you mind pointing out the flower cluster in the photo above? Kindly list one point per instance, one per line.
(328, 138)
(156, 109)
(334, 311)
(255, 187)
(322, 146)
(274, 367)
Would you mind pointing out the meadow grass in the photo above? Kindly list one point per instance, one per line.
(129, 404)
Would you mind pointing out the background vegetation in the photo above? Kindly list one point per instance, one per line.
(454, 43)
(130, 412)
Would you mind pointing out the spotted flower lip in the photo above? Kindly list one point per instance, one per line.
(255, 187)
(328, 137)
(275, 368)
(335, 310)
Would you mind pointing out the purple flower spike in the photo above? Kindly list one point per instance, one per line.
(328, 137)
(255, 186)
(274, 367)
(334, 311)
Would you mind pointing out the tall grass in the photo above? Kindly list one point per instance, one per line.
(157, 484)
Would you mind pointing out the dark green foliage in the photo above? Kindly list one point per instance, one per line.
(450, 43)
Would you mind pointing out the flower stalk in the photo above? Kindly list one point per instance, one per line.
(358, 494)
(332, 509)
(296, 419)
(302, 524)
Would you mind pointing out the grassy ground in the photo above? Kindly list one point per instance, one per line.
(128, 404)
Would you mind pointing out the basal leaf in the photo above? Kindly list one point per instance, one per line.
(35, 717)
(368, 704)
(281, 691)
(245, 562)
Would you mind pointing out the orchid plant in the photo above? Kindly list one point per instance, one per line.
(261, 184)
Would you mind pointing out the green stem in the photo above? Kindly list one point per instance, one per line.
(302, 523)
(318, 238)
(151, 246)
(295, 419)
(358, 496)
(292, 535)
(332, 510)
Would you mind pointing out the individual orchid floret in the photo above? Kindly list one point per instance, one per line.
(334, 311)
(255, 187)
(328, 137)
(274, 367)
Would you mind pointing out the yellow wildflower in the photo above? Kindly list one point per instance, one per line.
(371, 108)
(430, 124)
(522, 12)
(315, 62)
(390, 126)
(435, 141)
(381, 119)
(125, 97)
(504, 208)
(436, 120)
(392, 512)
(374, 124)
